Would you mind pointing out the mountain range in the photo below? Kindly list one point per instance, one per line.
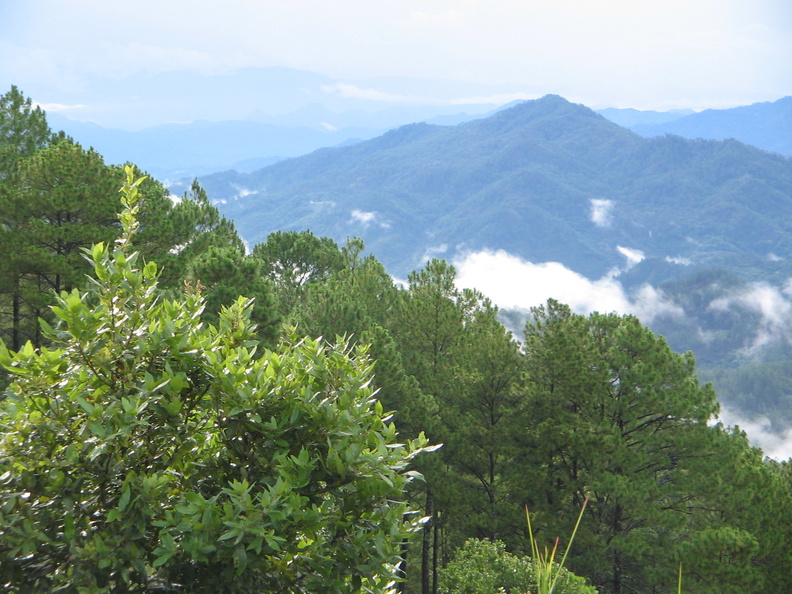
(182, 124)
(546, 180)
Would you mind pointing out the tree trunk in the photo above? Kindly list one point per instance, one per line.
(402, 586)
(15, 321)
(434, 555)
(617, 562)
(427, 545)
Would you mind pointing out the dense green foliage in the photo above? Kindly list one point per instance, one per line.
(486, 567)
(23, 131)
(620, 418)
(55, 200)
(148, 450)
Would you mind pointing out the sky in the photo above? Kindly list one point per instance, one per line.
(620, 53)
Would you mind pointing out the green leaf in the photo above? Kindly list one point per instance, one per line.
(125, 497)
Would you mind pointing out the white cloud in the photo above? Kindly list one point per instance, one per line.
(771, 304)
(328, 127)
(650, 303)
(515, 283)
(243, 192)
(761, 434)
(354, 92)
(369, 218)
(434, 252)
(633, 256)
(363, 217)
(601, 212)
(679, 260)
(58, 107)
(774, 257)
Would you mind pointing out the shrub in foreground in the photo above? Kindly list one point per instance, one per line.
(485, 567)
(145, 450)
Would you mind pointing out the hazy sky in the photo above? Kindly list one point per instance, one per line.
(626, 53)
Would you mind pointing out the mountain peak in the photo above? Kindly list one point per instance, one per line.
(548, 106)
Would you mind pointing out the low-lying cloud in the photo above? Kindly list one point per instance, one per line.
(679, 260)
(633, 256)
(513, 283)
(349, 91)
(434, 251)
(601, 212)
(369, 218)
(773, 307)
(759, 430)
(243, 192)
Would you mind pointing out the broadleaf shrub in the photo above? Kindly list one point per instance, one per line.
(146, 450)
(486, 567)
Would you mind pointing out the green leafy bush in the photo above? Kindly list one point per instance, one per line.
(146, 450)
(485, 567)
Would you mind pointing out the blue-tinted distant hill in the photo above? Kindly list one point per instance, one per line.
(630, 118)
(765, 125)
(181, 123)
(172, 151)
(547, 180)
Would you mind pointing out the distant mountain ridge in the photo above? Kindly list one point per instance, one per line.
(162, 121)
(546, 180)
(766, 125)
(183, 124)
(172, 151)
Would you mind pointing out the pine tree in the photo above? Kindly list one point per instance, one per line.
(23, 131)
(614, 415)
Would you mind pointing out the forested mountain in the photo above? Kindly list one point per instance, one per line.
(546, 180)
(766, 125)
